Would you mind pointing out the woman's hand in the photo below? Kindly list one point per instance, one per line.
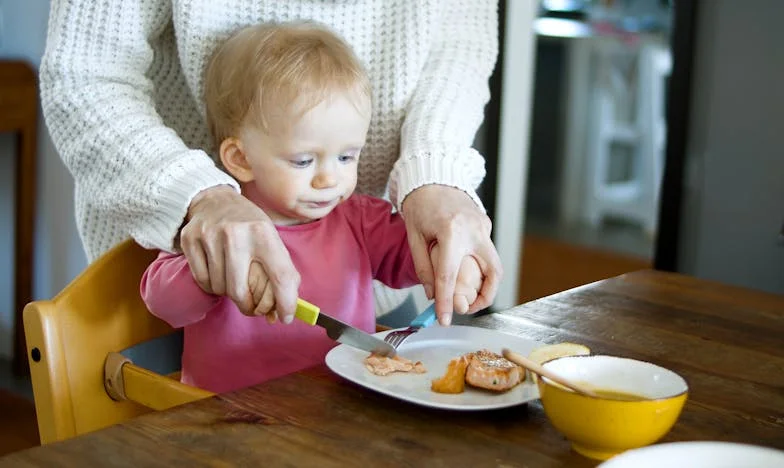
(224, 233)
(448, 216)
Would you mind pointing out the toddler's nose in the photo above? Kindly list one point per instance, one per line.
(325, 178)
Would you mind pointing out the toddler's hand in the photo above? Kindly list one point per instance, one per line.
(468, 285)
(262, 293)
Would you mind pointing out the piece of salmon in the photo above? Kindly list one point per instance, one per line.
(492, 371)
(385, 365)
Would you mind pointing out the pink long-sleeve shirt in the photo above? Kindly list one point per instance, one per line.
(337, 257)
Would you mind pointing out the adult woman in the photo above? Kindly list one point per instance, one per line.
(121, 83)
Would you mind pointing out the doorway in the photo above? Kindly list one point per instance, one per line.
(597, 142)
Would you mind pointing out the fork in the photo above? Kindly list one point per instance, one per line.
(422, 320)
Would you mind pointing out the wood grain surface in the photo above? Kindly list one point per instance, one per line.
(727, 342)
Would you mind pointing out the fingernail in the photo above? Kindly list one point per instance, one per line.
(445, 319)
(288, 319)
(428, 291)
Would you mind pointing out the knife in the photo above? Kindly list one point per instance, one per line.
(341, 331)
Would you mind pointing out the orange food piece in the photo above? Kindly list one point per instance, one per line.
(453, 380)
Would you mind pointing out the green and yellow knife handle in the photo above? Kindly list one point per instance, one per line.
(307, 312)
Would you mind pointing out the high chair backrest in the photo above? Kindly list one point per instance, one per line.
(69, 338)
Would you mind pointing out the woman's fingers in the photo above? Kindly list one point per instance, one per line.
(445, 269)
(446, 282)
(197, 262)
(266, 304)
(224, 234)
(257, 282)
(422, 262)
(283, 278)
(242, 274)
(216, 265)
(448, 216)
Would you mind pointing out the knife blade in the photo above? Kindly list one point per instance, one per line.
(341, 331)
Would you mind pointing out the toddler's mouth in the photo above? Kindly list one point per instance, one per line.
(321, 204)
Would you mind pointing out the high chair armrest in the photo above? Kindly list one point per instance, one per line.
(126, 381)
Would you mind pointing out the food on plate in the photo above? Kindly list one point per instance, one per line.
(453, 380)
(492, 371)
(385, 365)
(546, 353)
(482, 369)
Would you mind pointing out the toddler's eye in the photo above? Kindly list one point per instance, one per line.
(347, 157)
(301, 162)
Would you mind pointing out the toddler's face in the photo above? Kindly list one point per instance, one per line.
(301, 176)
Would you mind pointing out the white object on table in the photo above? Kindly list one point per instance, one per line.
(697, 455)
(435, 346)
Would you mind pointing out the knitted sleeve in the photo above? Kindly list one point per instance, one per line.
(133, 175)
(448, 104)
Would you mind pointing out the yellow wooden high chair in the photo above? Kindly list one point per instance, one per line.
(80, 382)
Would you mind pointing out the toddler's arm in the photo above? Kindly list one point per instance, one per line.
(171, 294)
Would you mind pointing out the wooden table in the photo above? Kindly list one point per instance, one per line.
(727, 342)
(19, 114)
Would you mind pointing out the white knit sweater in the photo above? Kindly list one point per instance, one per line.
(121, 83)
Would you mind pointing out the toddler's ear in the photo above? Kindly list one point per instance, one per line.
(233, 158)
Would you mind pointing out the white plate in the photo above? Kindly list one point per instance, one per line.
(435, 346)
(698, 455)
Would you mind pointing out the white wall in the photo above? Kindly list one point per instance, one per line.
(58, 251)
(734, 188)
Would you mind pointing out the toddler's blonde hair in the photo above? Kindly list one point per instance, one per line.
(269, 75)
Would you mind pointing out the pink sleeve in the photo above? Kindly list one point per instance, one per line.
(171, 293)
(387, 243)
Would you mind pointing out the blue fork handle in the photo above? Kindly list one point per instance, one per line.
(426, 318)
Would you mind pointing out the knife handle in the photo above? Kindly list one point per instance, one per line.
(426, 318)
(307, 312)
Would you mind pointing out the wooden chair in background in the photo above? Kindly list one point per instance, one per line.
(80, 382)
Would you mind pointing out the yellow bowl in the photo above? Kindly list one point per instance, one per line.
(600, 428)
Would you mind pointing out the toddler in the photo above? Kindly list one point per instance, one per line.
(288, 106)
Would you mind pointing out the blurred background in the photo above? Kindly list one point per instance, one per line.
(597, 141)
